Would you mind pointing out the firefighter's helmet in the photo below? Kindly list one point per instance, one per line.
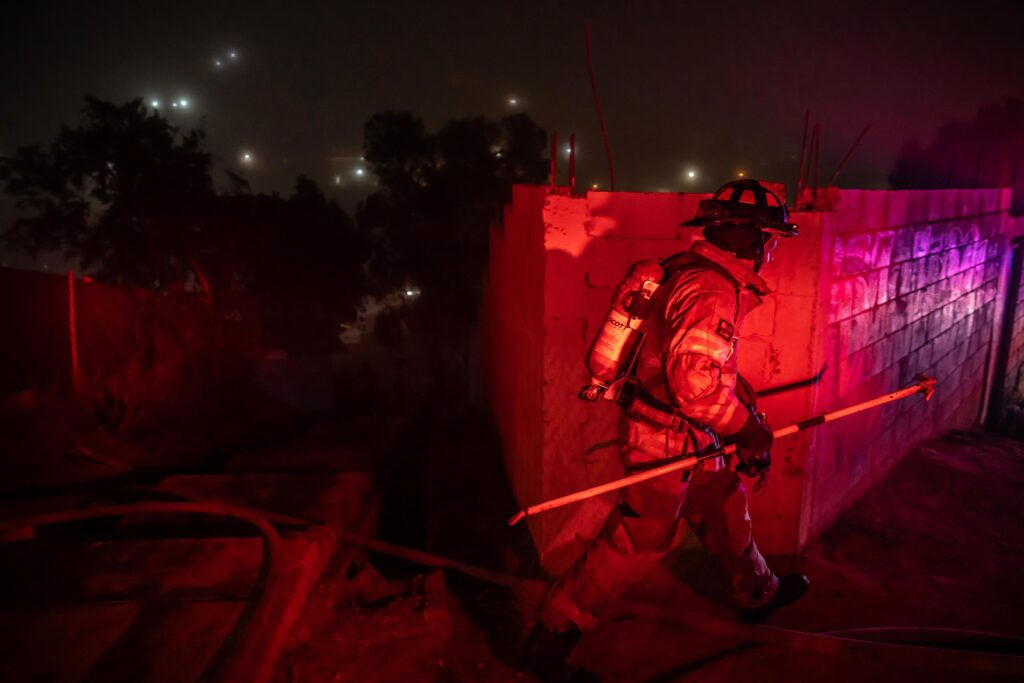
(745, 203)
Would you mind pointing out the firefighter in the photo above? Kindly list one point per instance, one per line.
(687, 397)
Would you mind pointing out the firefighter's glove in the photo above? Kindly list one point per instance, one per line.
(753, 445)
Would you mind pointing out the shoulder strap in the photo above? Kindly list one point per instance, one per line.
(690, 261)
(638, 402)
(687, 261)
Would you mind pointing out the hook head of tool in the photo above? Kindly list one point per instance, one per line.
(927, 385)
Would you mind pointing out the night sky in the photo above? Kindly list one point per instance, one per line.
(713, 88)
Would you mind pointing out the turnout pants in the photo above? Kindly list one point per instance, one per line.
(642, 529)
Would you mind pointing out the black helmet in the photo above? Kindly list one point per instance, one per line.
(744, 202)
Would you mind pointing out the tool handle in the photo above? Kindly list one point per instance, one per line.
(924, 385)
(685, 463)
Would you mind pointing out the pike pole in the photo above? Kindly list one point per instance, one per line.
(922, 385)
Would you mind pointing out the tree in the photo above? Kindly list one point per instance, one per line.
(438, 194)
(300, 257)
(132, 197)
(430, 218)
(982, 153)
(399, 151)
(124, 191)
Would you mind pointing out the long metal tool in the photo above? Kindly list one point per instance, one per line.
(922, 385)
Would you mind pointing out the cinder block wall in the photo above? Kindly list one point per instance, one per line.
(110, 322)
(864, 290)
(914, 278)
(1013, 385)
(555, 261)
(513, 337)
(1012, 381)
(1013, 377)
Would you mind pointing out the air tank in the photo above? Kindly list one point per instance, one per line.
(611, 352)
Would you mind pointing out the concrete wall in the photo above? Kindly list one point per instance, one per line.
(913, 284)
(1006, 408)
(35, 346)
(513, 337)
(891, 284)
(131, 342)
(1013, 380)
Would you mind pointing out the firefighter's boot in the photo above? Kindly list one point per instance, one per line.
(546, 655)
(791, 588)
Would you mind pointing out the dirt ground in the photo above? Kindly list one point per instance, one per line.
(937, 544)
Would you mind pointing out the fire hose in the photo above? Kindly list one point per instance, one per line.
(947, 649)
(922, 385)
(992, 653)
(253, 659)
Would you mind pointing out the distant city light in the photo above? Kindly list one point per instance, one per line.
(246, 157)
(337, 180)
(360, 172)
(740, 174)
(154, 103)
(182, 103)
(217, 63)
(568, 150)
(595, 186)
(513, 101)
(691, 174)
(233, 55)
